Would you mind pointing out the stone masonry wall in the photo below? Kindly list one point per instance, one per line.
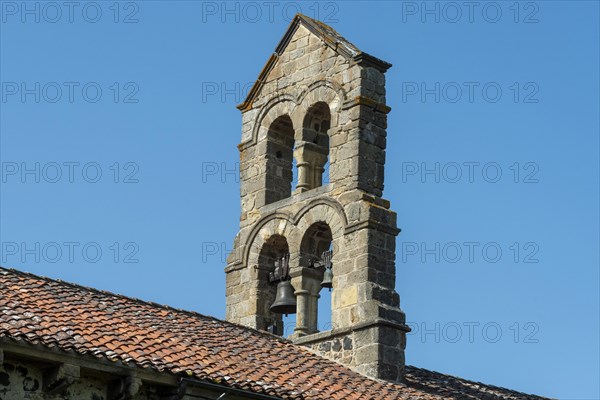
(21, 381)
(308, 71)
(32, 379)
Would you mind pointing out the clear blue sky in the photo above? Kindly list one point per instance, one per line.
(501, 88)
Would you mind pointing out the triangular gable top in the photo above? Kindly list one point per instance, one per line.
(329, 36)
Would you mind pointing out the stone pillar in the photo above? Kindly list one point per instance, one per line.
(310, 160)
(318, 164)
(307, 284)
(304, 178)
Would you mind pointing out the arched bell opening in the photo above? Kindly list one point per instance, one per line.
(272, 251)
(316, 250)
(316, 240)
(312, 153)
(279, 160)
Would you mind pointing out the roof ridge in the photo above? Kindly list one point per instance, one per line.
(4, 270)
(323, 27)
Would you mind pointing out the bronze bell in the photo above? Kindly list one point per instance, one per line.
(285, 301)
(327, 279)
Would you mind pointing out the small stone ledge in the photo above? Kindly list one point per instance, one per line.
(365, 101)
(296, 198)
(370, 224)
(334, 333)
(234, 267)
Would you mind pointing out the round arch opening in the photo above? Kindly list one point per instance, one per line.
(318, 239)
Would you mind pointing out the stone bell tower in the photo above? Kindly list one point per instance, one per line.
(319, 102)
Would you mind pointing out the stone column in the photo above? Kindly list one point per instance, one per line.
(307, 284)
(318, 167)
(310, 160)
(304, 178)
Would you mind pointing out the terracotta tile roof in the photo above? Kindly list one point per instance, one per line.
(72, 318)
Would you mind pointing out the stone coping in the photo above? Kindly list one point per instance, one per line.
(320, 336)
